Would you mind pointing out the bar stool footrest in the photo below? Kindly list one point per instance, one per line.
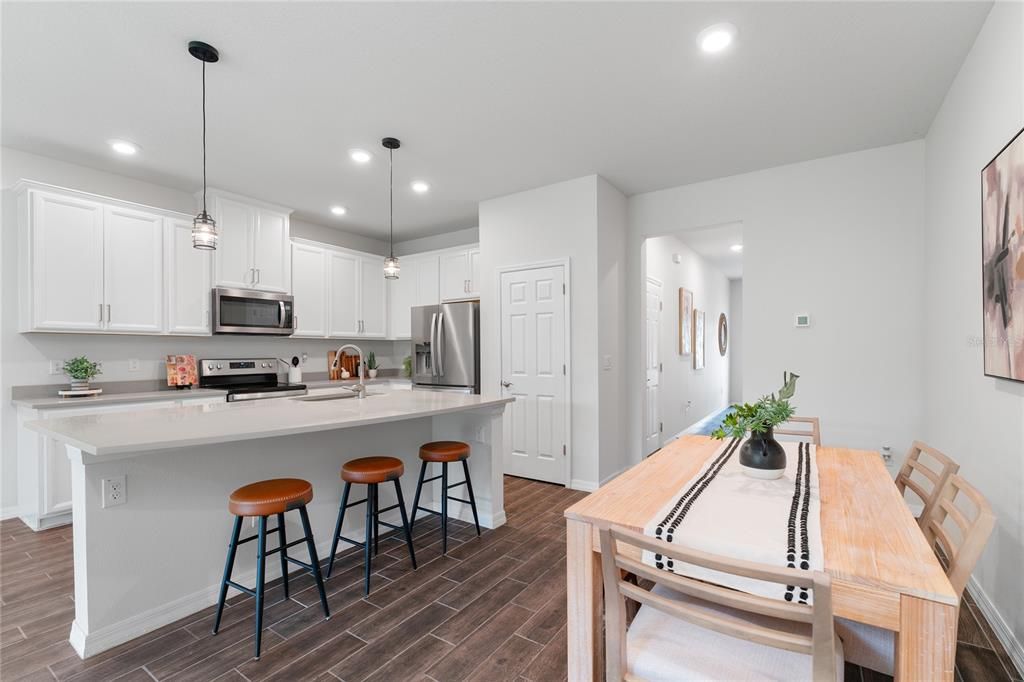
(241, 588)
(429, 511)
(459, 499)
(352, 542)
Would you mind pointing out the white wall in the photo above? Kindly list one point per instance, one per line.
(840, 238)
(736, 341)
(686, 395)
(24, 358)
(446, 240)
(553, 222)
(975, 419)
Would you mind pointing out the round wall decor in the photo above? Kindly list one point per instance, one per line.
(723, 334)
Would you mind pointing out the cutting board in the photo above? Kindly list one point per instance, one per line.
(349, 362)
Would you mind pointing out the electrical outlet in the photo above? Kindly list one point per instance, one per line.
(886, 453)
(114, 491)
(56, 367)
(133, 365)
(305, 356)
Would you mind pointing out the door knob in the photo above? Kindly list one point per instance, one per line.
(506, 384)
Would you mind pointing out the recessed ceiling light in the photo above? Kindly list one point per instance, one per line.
(420, 187)
(124, 147)
(338, 210)
(736, 247)
(716, 38)
(359, 155)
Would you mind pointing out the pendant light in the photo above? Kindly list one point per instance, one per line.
(391, 267)
(204, 228)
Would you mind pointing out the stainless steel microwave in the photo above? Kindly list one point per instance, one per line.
(245, 311)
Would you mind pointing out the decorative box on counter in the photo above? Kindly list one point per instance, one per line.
(182, 371)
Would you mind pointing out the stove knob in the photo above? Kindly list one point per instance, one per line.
(220, 366)
(264, 365)
(209, 367)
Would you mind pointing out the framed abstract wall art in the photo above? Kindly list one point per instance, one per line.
(1002, 261)
(685, 321)
(698, 339)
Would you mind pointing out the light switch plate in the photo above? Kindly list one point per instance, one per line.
(133, 365)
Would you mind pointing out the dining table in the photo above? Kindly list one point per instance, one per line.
(882, 569)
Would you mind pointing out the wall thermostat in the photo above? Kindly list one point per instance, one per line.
(803, 320)
(676, 258)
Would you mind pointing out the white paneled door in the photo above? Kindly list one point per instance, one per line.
(652, 366)
(533, 370)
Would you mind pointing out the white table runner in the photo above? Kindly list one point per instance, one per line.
(724, 511)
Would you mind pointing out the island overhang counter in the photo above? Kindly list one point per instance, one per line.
(158, 557)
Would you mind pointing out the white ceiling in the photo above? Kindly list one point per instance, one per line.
(487, 98)
(713, 245)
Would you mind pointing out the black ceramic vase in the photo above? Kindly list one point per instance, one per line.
(762, 456)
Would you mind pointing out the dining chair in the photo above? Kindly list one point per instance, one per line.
(934, 477)
(960, 543)
(687, 629)
(812, 432)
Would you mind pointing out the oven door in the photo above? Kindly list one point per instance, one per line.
(243, 311)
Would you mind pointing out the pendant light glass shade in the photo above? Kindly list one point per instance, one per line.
(204, 228)
(391, 267)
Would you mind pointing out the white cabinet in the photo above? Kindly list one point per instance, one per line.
(460, 274)
(133, 286)
(61, 262)
(372, 313)
(418, 285)
(253, 249)
(309, 286)
(187, 284)
(343, 294)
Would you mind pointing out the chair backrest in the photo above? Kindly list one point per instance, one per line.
(963, 544)
(934, 477)
(811, 432)
(820, 644)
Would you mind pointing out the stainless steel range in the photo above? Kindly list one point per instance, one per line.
(246, 378)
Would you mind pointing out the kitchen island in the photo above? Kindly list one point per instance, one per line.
(157, 556)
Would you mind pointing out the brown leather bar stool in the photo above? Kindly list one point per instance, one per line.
(263, 499)
(372, 471)
(445, 452)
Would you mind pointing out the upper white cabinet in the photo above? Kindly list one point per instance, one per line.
(343, 294)
(418, 285)
(133, 287)
(460, 274)
(253, 250)
(372, 306)
(309, 274)
(188, 274)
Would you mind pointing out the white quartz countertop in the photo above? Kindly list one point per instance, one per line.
(121, 433)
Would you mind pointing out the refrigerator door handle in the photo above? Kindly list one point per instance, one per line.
(440, 344)
(433, 346)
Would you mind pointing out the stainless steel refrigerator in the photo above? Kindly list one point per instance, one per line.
(446, 347)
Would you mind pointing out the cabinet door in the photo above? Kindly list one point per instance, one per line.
(474, 272)
(233, 259)
(454, 275)
(67, 263)
(133, 279)
(309, 286)
(428, 282)
(371, 304)
(401, 299)
(271, 254)
(342, 295)
(188, 280)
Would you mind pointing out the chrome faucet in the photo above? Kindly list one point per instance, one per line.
(360, 388)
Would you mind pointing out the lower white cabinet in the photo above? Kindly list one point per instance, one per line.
(44, 471)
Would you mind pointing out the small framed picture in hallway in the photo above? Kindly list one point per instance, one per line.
(685, 321)
(698, 339)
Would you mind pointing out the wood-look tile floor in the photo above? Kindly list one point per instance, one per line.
(493, 609)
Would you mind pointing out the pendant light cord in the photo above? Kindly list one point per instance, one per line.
(391, 198)
(204, 137)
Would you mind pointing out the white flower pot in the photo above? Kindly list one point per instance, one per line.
(373, 373)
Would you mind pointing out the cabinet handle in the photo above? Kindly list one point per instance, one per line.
(101, 312)
(108, 313)
(252, 276)
(259, 276)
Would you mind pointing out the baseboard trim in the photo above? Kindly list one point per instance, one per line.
(1013, 647)
(9, 513)
(583, 485)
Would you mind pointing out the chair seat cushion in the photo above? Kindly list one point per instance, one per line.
(274, 496)
(372, 470)
(868, 646)
(667, 649)
(444, 451)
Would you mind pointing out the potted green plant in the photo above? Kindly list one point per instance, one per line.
(407, 366)
(761, 455)
(371, 365)
(81, 370)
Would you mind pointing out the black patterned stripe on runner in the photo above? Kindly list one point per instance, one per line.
(805, 550)
(798, 513)
(682, 506)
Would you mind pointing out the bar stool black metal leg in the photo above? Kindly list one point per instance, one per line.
(283, 539)
(472, 498)
(229, 565)
(368, 542)
(376, 526)
(444, 507)
(261, 561)
(337, 527)
(416, 497)
(314, 561)
(405, 522)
